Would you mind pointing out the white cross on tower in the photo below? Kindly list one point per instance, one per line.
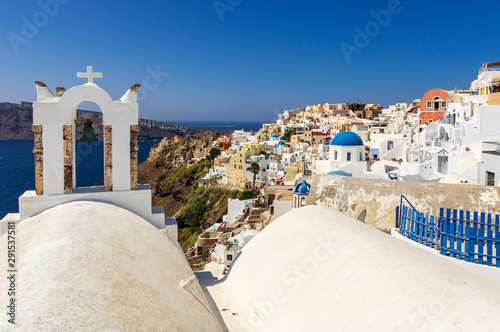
(89, 75)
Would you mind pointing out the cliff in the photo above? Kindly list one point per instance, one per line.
(166, 172)
(16, 121)
(174, 184)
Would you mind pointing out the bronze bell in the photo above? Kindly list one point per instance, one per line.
(88, 133)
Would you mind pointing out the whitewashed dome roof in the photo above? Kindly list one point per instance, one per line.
(88, 266)
(343, 275)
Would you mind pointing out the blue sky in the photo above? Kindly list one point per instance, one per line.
(261, 58)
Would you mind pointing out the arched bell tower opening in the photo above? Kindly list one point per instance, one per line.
(57, 157)
(88, 154)
(54, 123)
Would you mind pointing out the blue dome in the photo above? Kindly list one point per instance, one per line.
(302, 188)
(282, 143)
(274, 136)
(347, 138)
(340, 173)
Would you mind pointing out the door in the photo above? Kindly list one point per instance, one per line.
(443, 164)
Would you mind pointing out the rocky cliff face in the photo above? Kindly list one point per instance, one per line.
(174, 186)
(166, 172)
(16, 121)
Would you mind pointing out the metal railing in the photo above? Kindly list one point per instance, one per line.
(470, 236)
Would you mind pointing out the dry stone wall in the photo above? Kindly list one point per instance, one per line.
(380, 198)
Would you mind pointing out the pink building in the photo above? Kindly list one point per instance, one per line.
(334, 109)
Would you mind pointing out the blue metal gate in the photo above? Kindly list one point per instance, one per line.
(469, 236)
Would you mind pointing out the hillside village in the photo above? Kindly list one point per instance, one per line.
(445, 136)
(250, 166)
(448, 137)
(123, 253)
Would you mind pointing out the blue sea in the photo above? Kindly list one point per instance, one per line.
(17, 164)
(227, 125)
(17, 169)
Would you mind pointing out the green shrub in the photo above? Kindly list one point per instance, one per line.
(222, 208)
(197, 210)
(247, 194)
(188, 237)
(215, 195)
(194, 213)
(198, 171)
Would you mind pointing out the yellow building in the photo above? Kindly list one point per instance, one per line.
(348, 124)
(316, 108)
(308, 137)
(292, 171)
(300, 116)
(339, 126)
(295, 139)
(235, 172)
(308, 114)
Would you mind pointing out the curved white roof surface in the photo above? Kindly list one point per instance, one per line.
(87, 266)
(315, 269)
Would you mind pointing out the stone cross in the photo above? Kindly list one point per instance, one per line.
(89, 75)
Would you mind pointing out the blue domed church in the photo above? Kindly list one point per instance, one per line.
(346, 153)
(347, 146)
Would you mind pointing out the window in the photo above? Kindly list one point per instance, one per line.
(490, 179)
(429, 104)
(348, 156)
(443, 104)
(336, 155)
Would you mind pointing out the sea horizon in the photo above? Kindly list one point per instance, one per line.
(17, 161)
(223, 125)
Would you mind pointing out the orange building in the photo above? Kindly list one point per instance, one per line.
(372, 111)
(433, 105)
(369, 111)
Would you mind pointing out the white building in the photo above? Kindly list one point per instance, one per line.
(241, 137)
(488, 77)
(388, 147)
(458, 148)
(289, 159)
(217, 173)
(347, 152)
(235, 208)
(277, 148)
(301, 147)
(269, 166)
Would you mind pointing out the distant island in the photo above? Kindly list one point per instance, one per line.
(16, 121)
